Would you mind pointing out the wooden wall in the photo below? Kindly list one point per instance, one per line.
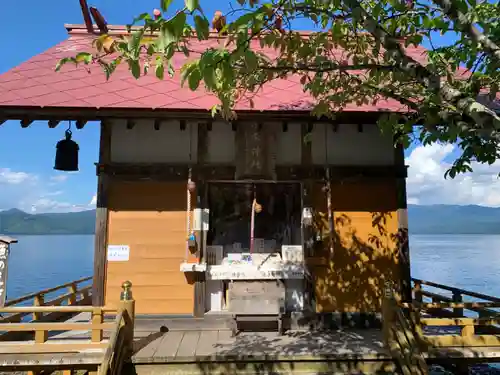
(150, 217)
(350, 275)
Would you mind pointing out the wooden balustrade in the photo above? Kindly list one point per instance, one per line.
(74, 293)
(115, 350)
(399, 337)
(483, 308)
(448, 311)
(120, 345)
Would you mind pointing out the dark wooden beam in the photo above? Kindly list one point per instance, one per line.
(182, 125)
(179, 172)
(360, 128)
(101, 232)
(130, 124)
(99, 20)
(26, 122)
(93, 114)
(157, 124)
(2, 121)
(80, 124)
(86, 16)
(306, 146)
(402, 239)
(202, 150)
(199, 307)
(53, 123)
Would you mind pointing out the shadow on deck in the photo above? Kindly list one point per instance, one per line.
(216, 352)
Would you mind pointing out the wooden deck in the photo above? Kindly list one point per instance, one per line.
(107, 341)
(213, 345)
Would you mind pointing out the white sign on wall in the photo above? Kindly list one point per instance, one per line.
(118, 253)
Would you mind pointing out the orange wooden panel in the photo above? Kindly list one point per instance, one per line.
(158, 306)
(150, 217)
(364, 256)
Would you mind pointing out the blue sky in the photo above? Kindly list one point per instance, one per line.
(27, 178)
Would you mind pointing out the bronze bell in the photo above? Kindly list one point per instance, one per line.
(67, 154)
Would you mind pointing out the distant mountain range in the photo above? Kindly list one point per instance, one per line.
(15, 221)
(434, 219)
(453, 219)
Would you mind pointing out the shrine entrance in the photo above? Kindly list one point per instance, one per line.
(255, 227)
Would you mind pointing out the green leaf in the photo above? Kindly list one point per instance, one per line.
(141, 17)
(135, 68)
(164, 4)
(178, 23)
(186, 71)
(134, 43)
(166, 37)
(192, 5)
(159, 68)
(202, 27)
(242, 21)
(251, 60)
(84, 57)
(209, 77)
(64, 61)
(194, 79)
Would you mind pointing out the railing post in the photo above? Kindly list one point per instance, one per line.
(417, 290)
(97, 319)
(38, 301)
(388, 313)
(128, 305)
(457, 298)
(72, 298)
(40, 336)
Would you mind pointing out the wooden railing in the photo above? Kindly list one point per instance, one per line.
(74, 293)
(449, 311)
(412, 328)
(399, 337)
(120, 345)
(422, 296)
(27, 308)
(95, 326)
(115, 351)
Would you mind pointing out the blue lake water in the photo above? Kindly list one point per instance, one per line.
(466, 261)
(41, 262)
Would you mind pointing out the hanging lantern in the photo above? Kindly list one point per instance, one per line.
(67, 154)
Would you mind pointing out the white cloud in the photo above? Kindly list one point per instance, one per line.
(33, 193)
(93, 201)
(8, 176)
(50, 205)
(426, 183)
(59, 178)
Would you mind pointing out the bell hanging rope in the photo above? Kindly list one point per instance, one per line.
(67, 153)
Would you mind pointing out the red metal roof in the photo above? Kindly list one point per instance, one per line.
(35, 84)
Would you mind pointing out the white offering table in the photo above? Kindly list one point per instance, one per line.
(255, 272)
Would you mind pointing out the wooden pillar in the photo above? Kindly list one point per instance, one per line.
(307, 233)
(101, 231)
(402, 235)
(199, 307)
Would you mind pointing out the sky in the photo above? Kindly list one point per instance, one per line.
(29, 182)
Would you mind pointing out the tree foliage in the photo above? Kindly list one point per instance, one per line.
(443, 105)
